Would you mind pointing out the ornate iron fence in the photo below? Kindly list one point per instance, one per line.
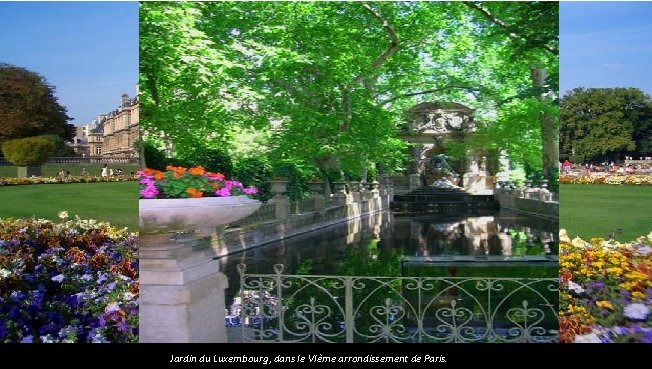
(322, 308)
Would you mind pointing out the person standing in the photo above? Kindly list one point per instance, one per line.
(105, 170)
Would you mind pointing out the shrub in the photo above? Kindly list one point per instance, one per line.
(297, 177)
(28, 152)
(255, 172)
(213, 160)
(154, 158)
(576, 159)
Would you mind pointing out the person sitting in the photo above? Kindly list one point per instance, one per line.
(84, 172)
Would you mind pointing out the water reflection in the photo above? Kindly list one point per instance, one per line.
(368, 245)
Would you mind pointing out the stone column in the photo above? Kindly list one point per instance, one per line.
(181, 291)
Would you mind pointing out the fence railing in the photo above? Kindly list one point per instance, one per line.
(83, 160)
(302, 206)
(323, 308)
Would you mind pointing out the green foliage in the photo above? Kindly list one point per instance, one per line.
(154, 158)
(60, 147)
(29, 107)
(605, 123)
(297, 176)
(255, 172)
(576, 159)
(28, 152)
(325, 84)
(213, 160)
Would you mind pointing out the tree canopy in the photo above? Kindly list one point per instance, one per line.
(327, 84)
(605, 123)
(29, 107)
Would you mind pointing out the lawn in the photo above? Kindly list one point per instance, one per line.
(597, 210)
(51, 170)
(115, 202)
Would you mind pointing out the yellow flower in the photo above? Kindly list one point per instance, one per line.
(615, 271)
(604, 305)
(638, 296)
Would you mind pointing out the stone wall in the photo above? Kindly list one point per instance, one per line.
(285, 218)
(532, 201)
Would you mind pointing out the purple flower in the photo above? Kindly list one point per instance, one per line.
(636, 311)
(27, 339)
(112, 307)
(58, 278)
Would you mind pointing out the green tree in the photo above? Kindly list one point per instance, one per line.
(29, 107)
(605, 123)
(60, 147)
(330, 81)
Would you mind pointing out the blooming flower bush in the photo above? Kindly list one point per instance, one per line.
(631, 180)
(605, 290)
(58, 180)
(195, 182)
(72, 281)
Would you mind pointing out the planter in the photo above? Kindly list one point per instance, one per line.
(29, 171)
(316, 186)
(173, 215)
(279, 186)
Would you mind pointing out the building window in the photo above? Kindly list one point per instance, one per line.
(98, 151)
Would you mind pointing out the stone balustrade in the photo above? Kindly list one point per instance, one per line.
(533, 200)
(280, 217)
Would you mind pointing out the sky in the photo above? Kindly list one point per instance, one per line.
(87, 50)
(605, 44)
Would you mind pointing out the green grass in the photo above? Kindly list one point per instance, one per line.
(115, 202)
(51, 170)
(596, 210)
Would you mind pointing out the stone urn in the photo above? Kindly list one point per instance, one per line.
(279, 186)
(181, 287)
(175, 215)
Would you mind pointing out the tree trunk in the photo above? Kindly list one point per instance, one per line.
(549, 133)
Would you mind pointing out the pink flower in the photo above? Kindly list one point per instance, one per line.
(226, 191)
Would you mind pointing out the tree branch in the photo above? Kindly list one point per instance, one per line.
(391, 48)
(471, 89)
(510, 31)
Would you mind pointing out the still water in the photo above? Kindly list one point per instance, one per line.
(377, 244)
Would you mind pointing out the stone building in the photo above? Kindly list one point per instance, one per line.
(112, 135)
(120, 130)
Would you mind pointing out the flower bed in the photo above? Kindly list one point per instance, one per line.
(16, 181)
(631, 180)
(72, 281)
(605, 290)
(195, 182)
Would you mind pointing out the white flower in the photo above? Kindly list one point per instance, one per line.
(587, 338)
(58, 278)
(63, 215)
(636, 311)
(563, 236)
(4, 273)
(112, 307)
(579, 243)
(128, 296)
(575, 287)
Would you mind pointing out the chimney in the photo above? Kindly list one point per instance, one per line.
(124, 99)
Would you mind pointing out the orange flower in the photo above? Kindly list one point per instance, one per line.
(177, 170)
(193, 192)
(197, 171)
(159, 176)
